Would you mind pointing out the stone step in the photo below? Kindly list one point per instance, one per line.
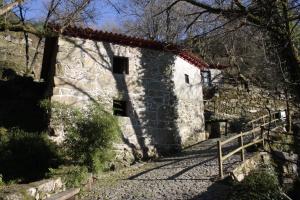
(66, 195)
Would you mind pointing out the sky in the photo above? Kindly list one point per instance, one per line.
(109, 15)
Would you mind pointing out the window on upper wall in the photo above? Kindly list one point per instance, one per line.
(120, 108)
(120, 65)
(187, 79)
(206, 78)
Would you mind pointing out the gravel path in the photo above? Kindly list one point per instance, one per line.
(192, 174)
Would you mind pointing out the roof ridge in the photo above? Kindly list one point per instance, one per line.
(123, 39)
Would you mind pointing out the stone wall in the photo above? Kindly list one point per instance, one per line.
(163, 111)
(36, 190)
(190, 103)
(236, 101)
(252, 163)
(13, 56)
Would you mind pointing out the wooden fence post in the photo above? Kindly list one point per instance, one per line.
(226, 128)
(253, 136)
(214, 106)
(242, 145)
(262, 136)
(220, 159)
(290, 123)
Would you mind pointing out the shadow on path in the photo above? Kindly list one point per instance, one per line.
(191, 174)
(217, 191)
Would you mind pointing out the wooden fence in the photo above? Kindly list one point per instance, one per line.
(257, 132)
(264, 120)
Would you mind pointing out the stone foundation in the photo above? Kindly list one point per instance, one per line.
(240, 172)
(37, 190)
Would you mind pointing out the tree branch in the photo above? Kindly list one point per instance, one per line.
(24, 28)
(214, 10)
(9, 7)
(194, 20)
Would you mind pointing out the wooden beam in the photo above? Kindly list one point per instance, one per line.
(220, 159)
(242, 146)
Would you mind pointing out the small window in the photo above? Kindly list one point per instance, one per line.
(206, 78)
(187, 79)
(120, 108)
(120, 65)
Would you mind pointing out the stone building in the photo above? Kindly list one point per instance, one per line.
(154, 88)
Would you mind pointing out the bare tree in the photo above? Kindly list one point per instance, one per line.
(71, 12)
(142, 22)
(277, 18)
(62, 12)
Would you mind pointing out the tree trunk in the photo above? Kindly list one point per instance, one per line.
(288, 61)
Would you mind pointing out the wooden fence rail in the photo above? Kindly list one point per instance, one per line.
(258, 136)
(263, 119)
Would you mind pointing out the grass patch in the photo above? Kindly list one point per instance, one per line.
(72, 176)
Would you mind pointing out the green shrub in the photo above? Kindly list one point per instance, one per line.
(90, 134)
(258, 185)
(283, 142)
(3, 131)
(1, 181)
(26, 157)
(72, 176)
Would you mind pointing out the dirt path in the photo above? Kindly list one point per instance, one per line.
(192, 174)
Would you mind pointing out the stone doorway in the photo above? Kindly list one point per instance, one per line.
(217, 128)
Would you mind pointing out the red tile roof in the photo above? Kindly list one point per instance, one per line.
(96, 35)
